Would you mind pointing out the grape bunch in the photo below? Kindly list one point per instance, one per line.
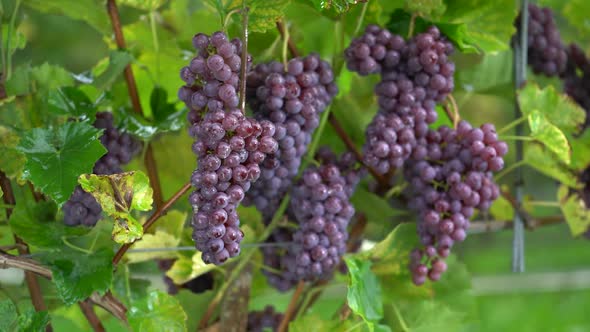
(268, 319)
(211, 79)
(577, 79)
(82, 208)
(454, 178)
(320, 205)
(546, 52)
(229, 146)
(229, 149)
(121, 147)
(292, 98)
(414, 76)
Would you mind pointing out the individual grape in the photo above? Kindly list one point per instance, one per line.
(268, 319)
(446, 184)
(546, 52)
(292, 98)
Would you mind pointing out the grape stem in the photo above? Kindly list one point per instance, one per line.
(361, 18)
(286, 39)
(244, 60)
(292, 307)
(516, 138)
(508, 170)
(159, 212)
(91, 316)
(400, 318)
(149, 160)
(23, 249)
(512, 125)
(412, 25)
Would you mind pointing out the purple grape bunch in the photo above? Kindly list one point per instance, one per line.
(211, 79)
(267, 319)
(81, 208)
(229, 146)
(546, 51)
(577, 79)
(320, 205)
(292, 98)
(415, 75)
(454, 178)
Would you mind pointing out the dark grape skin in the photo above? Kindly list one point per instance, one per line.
(267, 319)
(445, 186)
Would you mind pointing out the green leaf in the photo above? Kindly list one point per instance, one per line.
(156, 311)
(56, 157)
(338, 6)
(8, 314)
(429, 315)
(12, 162)
(129, 289)
(77, 275)
(315, 323)
(580, 151)
(50, 77)
(187, 268)
(501, 209)
(137, 125)
(118, 60)
(35, 223)
(551, 136)
(428, 8)
(489, 25)
(159, 239)
(560, 110)
(33, 321)
(147, 5)
(118, 195)
(546, 162)
(264, 14)
(575, 211)
(493, 68)
(71, 101)
(374, 207)
(390, 256)
(364, 292)
(575, 13)
(89, 11)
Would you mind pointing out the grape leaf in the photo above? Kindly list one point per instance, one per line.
(501, 209)
(12, 162)
(551, 136)
(492, 67)
(33, 321)
(139, 126)
(560, 110)
(8, 314)
(390, 256)
(186, 268)
(71, 101)
(428, 8)
(315, 323)
(35, 224)
(426, 316)
(159, 239)
(127, 288)
(545, 162)
(339, 6)
(575, 14)
(89, 11)
(49, 77)
(57, 156)
(364, 291)
(155, 311)
(77, 275)
(119, 194)
(118, 60)
(580, 151)
(264, 14)
(489, 24)
(574, 210)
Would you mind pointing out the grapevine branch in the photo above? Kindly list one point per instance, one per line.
(23, 249)
(107, 302)
(291, 309)
(159, 212)
(149, 160)
(91, 316)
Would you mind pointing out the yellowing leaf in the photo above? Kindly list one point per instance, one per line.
(576, 213)
(551, 136)
(185, 269)
(545, 162)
